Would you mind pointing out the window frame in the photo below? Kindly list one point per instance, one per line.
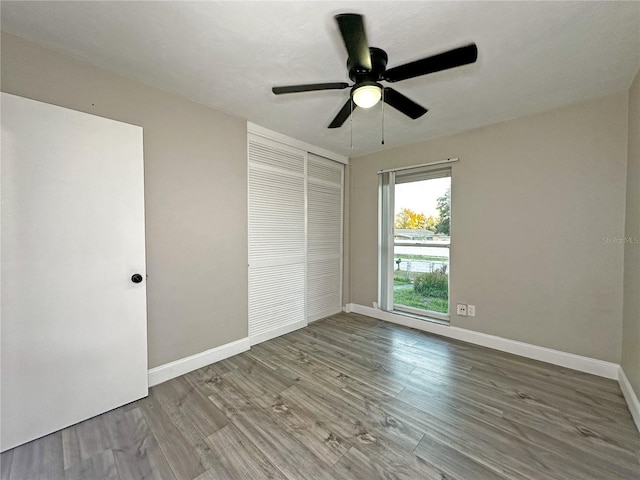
(387, 181)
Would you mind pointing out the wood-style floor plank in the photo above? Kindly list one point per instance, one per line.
(194, 406)
(529, 451)
(135, 449)
(353, 398)
(40, 459)
(356, 465)
(381, 437)
(84, 440)
(323, 443)
(183, 421)
(301, 365)
(101, 466)
(282, 449)
(454, 463)
(5, 464)
(240, 457)
(183, 459)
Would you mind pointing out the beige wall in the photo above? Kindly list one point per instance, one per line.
(631, 307)
(195, 193)
(532, 201)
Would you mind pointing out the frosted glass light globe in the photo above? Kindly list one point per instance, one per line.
(367, 96)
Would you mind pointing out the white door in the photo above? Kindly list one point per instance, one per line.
(73, 321)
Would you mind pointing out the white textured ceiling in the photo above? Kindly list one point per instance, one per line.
(533, 56)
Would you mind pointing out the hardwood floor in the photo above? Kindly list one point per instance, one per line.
(351, 397)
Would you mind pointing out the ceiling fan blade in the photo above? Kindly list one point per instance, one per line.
(343, 114)
(309, 87)
(442, 61)
(403, 104)
(355, 39)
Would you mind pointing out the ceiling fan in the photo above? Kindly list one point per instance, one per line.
(368, 67)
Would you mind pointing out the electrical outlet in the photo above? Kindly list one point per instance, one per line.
(462, 310)
(471, 310)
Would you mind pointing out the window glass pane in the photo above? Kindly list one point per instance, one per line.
(421, 245)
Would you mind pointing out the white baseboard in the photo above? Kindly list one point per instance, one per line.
(188, 364)
(263, 337)
(347, 308)
(555, 357)
(326, 313)
(630, 396)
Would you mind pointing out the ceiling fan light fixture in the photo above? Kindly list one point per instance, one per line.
(366, 96)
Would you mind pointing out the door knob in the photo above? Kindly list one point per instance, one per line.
(136, 278)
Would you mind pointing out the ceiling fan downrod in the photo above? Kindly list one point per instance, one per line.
(382, 143)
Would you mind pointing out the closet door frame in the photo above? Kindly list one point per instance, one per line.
(260, 134)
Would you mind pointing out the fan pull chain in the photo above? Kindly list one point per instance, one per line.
(383, 116)
(351, 119)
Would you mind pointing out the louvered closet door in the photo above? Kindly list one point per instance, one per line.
(276, 239)
(324, 241)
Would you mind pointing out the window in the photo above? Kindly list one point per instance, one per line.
(415, 238)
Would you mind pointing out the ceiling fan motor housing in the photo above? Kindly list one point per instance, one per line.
(379, 61)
